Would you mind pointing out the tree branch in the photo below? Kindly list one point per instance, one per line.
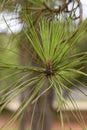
(80, 11)
(60, 9)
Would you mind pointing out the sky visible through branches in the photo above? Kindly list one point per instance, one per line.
(15, 24)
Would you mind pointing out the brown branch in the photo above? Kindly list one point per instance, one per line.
(75, 18)
(60, 9)
(80, 11)
(68, 11)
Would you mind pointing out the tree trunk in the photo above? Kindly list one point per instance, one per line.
(42, 115)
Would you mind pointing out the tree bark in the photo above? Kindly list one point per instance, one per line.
(42, 117)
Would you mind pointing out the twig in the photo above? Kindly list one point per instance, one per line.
(80, 11)
(60, 9)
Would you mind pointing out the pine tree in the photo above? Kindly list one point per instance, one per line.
(49, 60)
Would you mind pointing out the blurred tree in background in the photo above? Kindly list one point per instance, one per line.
(50, 60)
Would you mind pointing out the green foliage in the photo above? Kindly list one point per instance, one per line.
(56, 65)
